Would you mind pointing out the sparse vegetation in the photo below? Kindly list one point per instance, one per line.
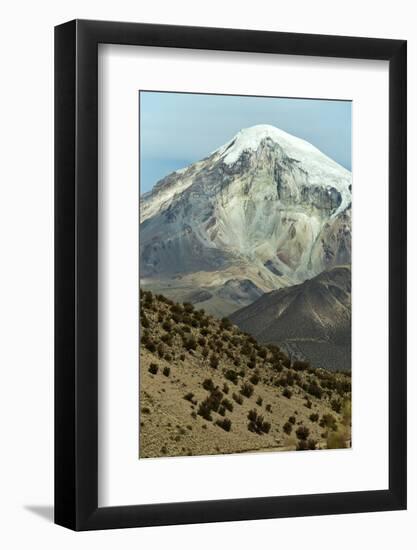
(144, 321)
(149, 345)
(188, 308)
(167, 325)
(231, 375)
(160, 349)
(257, 424)
(336, 405)
(225, 324)
(263, 353)
(189, 397)
(304, 445)
(190, 343)
(200, 360)
(225, 424)
(301, 445)
(302, 432)
(153, 368)
(315, 390)
(167, 339)
(208, 384)
(214, 361)
(238, 398)
(328, 421)
(227, 404)
(205, 409)
(247, 389)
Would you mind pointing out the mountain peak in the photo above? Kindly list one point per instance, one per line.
(249, 139)
(276, 216)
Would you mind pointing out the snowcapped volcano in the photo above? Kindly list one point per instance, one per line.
(318, 166)
(250, 139)
(264, 211)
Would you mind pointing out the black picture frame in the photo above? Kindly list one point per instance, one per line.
(76, 272)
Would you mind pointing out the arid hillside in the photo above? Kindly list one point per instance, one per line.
(207, 388)
(312, 319)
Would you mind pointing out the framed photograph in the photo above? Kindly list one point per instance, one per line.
(230, 252)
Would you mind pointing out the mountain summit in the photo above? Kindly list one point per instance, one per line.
(313, 161)
(264, 211)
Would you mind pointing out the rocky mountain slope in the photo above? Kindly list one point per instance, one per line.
(264, 211)
(312, 319)
(208, 388)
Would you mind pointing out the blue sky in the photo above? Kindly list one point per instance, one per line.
(177, 129)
